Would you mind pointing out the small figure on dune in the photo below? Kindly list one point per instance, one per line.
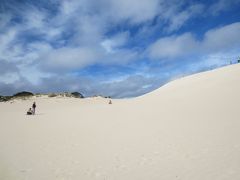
(34, 107)
(30, 112)
(110, 102)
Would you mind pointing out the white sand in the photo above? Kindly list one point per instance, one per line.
(188, 129)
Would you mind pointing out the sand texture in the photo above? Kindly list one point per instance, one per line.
(188, 129)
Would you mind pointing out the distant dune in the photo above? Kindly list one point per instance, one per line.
(188, 129)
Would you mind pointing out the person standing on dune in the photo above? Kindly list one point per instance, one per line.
(34, 107)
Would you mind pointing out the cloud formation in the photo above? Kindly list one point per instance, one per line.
(215, 40)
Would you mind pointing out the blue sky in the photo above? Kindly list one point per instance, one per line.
(114, 48)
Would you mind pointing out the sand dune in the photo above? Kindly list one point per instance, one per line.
(188, 129)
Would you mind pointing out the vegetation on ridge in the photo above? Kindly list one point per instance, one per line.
(25, 94)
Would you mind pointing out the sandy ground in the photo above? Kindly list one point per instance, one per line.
(188, 129)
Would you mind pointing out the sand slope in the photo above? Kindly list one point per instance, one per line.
(187, 129)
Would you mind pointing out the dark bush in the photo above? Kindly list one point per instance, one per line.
(77, 95)
(108, 97)
(52, 95)
(23, 94)
(5, 98)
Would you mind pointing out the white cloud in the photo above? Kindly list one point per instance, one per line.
(69, 7)
(89, 22)
(33, 75)
(121, 57)
(4, 20)
(89, 30)
(7, 67)
(6, 40)
(115, 42)
(133, 10)
(222, 38)
(174, 46)
(178, 18)
(34, 18)
(110, 12)
(9, 78)
(216, 40)
(69, 58)
(222, 5)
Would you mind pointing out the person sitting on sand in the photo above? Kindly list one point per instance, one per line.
(30, 112)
